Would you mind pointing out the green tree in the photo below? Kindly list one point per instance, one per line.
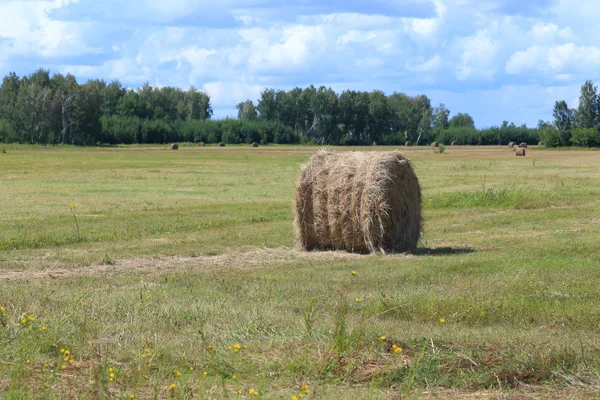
(267, 106)
(246, 110)
(440, 118)
(463, 120)
(564, 122)
(587, 112)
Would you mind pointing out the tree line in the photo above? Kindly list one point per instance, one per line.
(45, 109)
(321, 116)
(574, 127)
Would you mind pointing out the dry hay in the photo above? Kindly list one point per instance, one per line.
(174, 146)
(408, 143)
(523, 145)
(521, 152)
(453, 143)
(511, 144)
(358, 202)
(221, 144)
(254, 144)
(435, 144)
(201, 144)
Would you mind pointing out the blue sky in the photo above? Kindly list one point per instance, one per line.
(496, 59)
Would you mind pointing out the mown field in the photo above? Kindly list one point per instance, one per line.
(140, 272)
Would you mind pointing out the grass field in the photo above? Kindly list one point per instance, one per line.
(131, 271)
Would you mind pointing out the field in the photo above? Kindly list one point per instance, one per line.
(140, 271)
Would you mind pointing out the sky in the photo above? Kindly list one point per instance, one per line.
(494, 59)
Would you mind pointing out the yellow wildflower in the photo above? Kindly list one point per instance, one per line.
(442, 320)
(239, 391)
(145, 376)
(63, 366)
(357, 299)
(191, 368)
(171, 386)
(382, 338)
(354, 273)
(301, 395)
(177, 373)
(132, 396)
(229, 347)
(294, 397)
(27, 362)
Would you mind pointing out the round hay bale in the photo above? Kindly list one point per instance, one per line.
(174, 146)
(523, 145)
(221, 144)
(520, 152)
(511, 144)
(435, 144)
(358, 202)
(540, 143)
(453, 143)
(254, 144)
(408, 143)
(201, 144)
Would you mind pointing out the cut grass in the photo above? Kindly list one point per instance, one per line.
(510, 268)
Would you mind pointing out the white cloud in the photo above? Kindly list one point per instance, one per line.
(555, 59)
(549, 32)
(477, 57)
(231, 93)
(431, 65)
(289, 48)
(30, 31)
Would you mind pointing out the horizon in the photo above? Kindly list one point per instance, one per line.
(497, 61)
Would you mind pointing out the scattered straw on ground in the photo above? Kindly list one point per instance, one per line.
(248, 259)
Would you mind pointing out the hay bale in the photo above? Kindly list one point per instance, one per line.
(520, 152)
(523, 145)
(174, 146)
(254, 144)
(358, 202)
(540, 143)
(408, 143)
(435, 144)
(511, 144)
(201, 144)
(221, 144)
(453, 143)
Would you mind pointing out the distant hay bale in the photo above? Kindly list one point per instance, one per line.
(540, 143)
(201, 144)
(453, 143)
(523, 145)
(511, 144)
(358, 202)
(520, 152)
(221, 144)
(174, 146)
(435, 144)
(254, 144)
(408, 143)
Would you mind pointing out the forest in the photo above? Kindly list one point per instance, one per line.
(55, 109)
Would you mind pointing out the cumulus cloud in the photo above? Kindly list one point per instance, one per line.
(235, 48)
(554, 59)
(477, 56)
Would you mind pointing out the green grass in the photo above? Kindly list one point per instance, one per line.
(192, 248)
